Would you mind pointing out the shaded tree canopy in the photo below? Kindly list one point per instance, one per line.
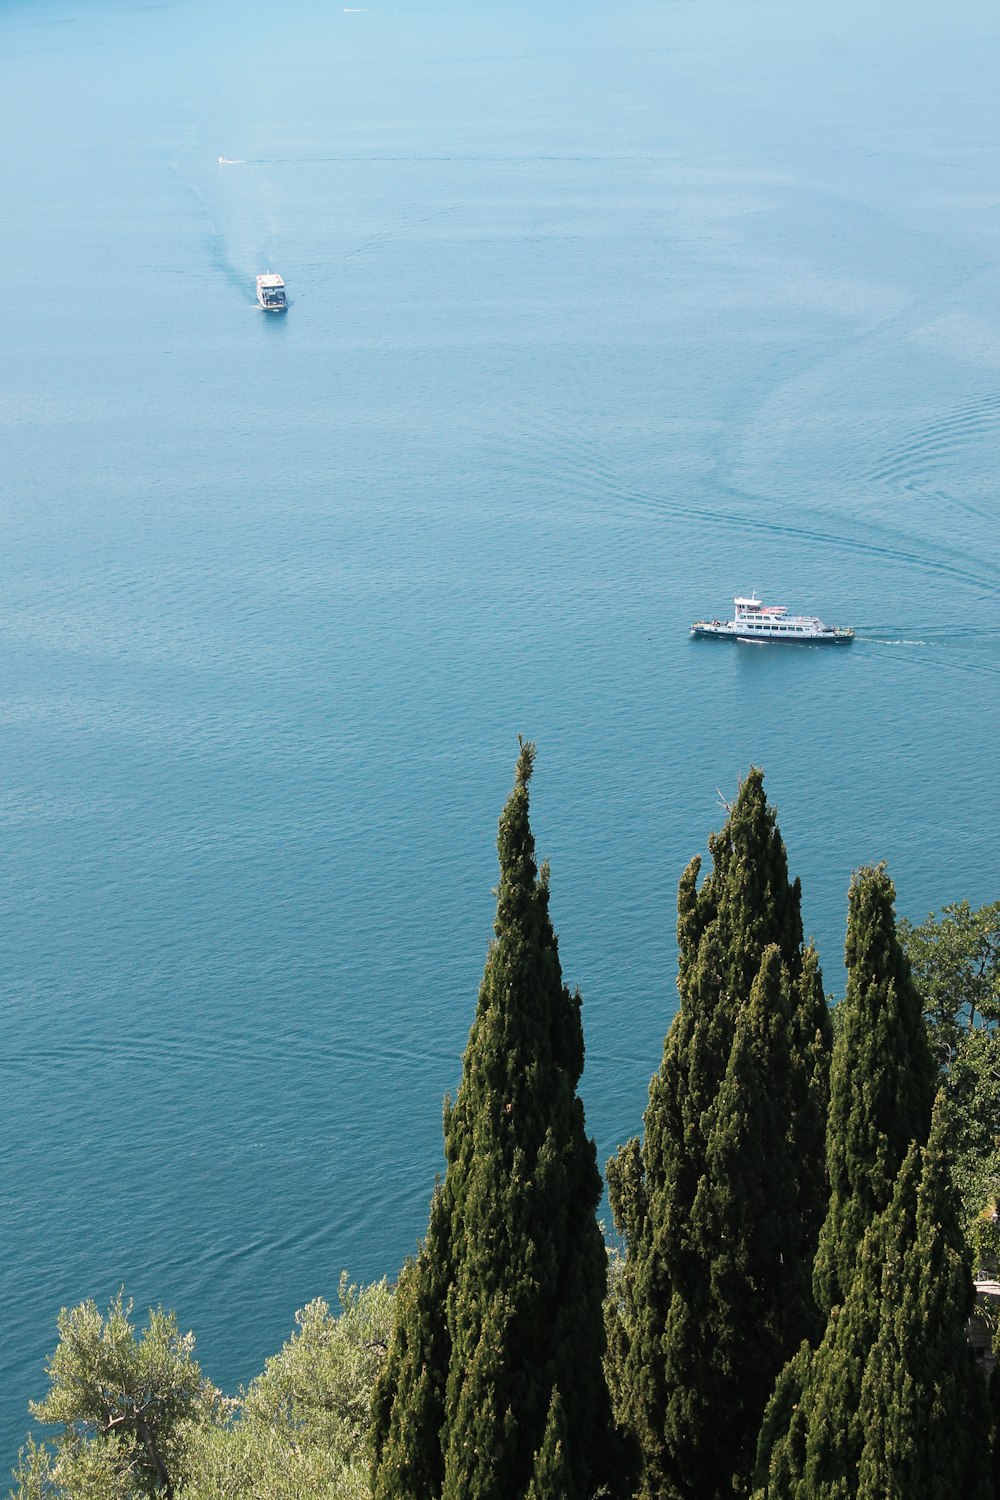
(721, 1203)
(494, 1382)
(890, 1406)
(882, 1081)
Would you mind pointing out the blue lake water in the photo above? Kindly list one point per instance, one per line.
(600, 313)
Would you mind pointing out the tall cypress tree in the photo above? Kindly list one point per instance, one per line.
(812, 1438)
(881, 1094)
(408, 1401)
(882, 1081)
(494, 1384)
(746, 1215)
(924, 1408)
(890, 1406)
(752, 1021)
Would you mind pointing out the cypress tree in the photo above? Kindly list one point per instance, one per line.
(781, 1446)
(811, 1437)
(551, 1479)
(881, 1093)
(752, 1023)
(924, 1409)
(408, 1400)
(882, 1081)
(809, 1085)
(890, 1406)
(746, 1216)
(493, 1385)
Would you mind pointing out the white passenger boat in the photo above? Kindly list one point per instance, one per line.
(271, 293)
(754, 621)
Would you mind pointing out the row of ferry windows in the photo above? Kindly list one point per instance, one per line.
(759, 625)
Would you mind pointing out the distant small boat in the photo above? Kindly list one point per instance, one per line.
(271, 293)
(757, 622)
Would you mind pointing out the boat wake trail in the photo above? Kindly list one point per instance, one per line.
(936, 444)
(928, 651)
(880, 543)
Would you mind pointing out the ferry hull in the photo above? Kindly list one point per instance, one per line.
(754, 638)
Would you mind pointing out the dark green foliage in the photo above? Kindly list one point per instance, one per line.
(409, 1397)
(994, 1400)
(494, 1379)
(781, 1445)
(745, 1214)
(816, 1455)
(890, 1406)
(809, 1096)
(881, 1082)
(551, 1479)
(721, 1205)
(924, 1410)
(881, 1091)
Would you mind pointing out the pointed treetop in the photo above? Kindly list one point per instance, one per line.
(494, 1385)
(872, 898)
(748, 890)
(552, 1477)
(519, 891)
(882, 1042)
(936, 1185)
(720, 1205)
(525, 761)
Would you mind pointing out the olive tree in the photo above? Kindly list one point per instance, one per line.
(125, 1403)
(301, 1427)
(955, 958)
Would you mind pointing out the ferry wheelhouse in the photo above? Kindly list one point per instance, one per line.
(754, 621)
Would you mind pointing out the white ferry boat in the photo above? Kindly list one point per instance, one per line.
(271, 293)
(754, 621)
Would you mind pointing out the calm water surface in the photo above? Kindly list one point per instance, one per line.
(600, 313)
